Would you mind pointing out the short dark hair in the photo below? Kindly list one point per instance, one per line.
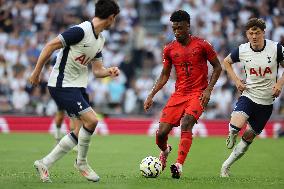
(179, 16)
(255, 23)
(105, 8)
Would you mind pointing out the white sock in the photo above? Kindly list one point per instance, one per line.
(233, 129)
(84, 139)
(66, 144)
(57, 133)
(167, 151)
(237, 153)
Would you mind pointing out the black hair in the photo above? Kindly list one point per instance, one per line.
(179, 16)
(255, 23)
(105, 8)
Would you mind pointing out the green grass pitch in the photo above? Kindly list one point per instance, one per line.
(116, 159)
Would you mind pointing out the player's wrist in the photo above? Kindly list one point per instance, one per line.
(281, 82)
(150, 96)
(109, 71)
(36, 73)
(237, 81)
(210, 88)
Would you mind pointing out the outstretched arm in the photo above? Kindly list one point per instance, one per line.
(161, 81)
(205, 97)
(44, 56)
(228, 67)
(277, 87)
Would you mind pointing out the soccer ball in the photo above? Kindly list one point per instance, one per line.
(150, 167)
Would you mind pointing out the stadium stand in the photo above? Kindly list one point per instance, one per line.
(134, 44)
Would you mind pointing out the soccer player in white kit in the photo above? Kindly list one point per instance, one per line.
(80, 45)
(261, 59)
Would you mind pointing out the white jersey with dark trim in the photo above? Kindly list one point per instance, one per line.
(261, 69)
(80, 47)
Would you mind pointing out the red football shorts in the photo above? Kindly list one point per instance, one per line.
(177, 106)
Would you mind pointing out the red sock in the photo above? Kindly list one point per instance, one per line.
(161, 142)
(184, 146)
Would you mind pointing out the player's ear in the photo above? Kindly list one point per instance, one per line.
(187, 26)
(247, 34)
(263, 32)
(111, 17)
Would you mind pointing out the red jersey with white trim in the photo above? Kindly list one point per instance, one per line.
(190, 63)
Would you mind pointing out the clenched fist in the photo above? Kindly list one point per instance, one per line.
(113, 71)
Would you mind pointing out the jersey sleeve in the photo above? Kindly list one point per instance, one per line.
(166, 57)
(99, 56)
(209, 50)
(235, 56)
(71, 36)
(280, 53)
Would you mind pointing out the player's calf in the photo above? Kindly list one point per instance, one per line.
(232, 136)
(75, 149)
(231, 140)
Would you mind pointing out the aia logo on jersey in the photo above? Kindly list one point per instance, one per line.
(83, 59)
(260, 71)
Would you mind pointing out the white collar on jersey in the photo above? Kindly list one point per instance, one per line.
(259, 49)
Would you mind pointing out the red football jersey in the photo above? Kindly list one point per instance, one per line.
(190, 63)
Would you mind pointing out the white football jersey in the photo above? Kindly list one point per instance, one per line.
(80, 47)
(261, 69)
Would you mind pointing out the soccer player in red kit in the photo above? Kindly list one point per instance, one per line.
(189, 55)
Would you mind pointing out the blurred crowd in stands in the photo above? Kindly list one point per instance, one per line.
(135, 45)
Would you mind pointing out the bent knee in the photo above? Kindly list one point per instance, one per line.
(92, 123)
(188, 122)
(164, 130)
(238, 119)
(161, 134)
(249, 135)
